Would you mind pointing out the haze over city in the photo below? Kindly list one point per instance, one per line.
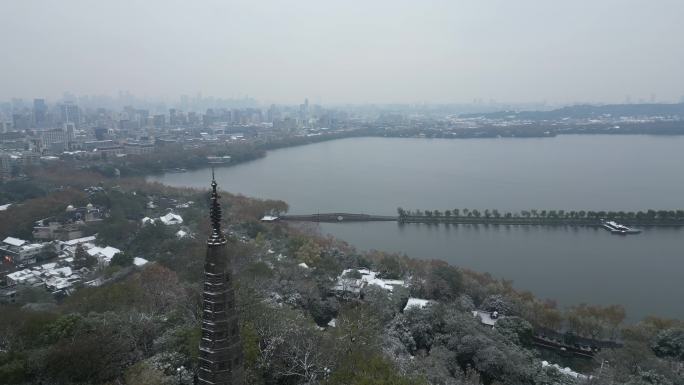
(338, 192)
(387, 51)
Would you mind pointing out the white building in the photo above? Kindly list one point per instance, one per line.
(171, 219)
(345, 283)
(21, 251)
(49, 275)
(104, 255)
(168, 220)
(486, 318)
(416, 303)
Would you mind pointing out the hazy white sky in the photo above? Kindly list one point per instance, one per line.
(336, 51)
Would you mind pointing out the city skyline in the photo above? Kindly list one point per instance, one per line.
(385, 52)
(125, 98)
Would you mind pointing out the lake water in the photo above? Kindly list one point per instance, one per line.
(571, 265)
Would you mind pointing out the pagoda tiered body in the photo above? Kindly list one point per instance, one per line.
(220, 359)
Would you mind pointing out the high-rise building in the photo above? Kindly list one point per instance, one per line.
(304, 110)
(56, 140)
(220, 358)
(173, 117)
(70, 113)
(159, 121)
(39, 112)
(21, 121)
(193, 118)
(5, 127)
(272, 114)
(5, 166)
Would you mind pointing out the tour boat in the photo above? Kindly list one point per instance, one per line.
(617, 228)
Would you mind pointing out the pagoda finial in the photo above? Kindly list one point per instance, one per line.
(216, 236)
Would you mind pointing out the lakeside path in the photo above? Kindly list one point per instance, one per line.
(356, 217)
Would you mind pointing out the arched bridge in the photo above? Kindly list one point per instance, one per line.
(340, 217)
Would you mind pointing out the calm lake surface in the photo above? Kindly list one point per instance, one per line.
(644, 272)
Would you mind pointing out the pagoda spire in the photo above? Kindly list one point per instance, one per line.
(220, 349)
(216, 236)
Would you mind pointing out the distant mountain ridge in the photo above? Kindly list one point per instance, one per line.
(587, 111)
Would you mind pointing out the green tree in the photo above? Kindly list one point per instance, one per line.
(369, 369)
(516, 330)
(309, 253)
(13, 369)
(143, 373)
(669, 343)
(391, 267)
(83, 259)
(122, 259)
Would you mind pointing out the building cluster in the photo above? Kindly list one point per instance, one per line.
(60, 256)
(98, 128)
(70, 225)
(171, 218)
(63, 273)
(36, 132)
(56, 279)
(20, 252)
(168, 219)
(353, 281)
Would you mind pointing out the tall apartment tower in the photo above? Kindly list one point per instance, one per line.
(220, 358)
(39, 112)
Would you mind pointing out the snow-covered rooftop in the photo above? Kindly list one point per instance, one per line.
(55, 278)
(416, 302)
(19, 274)
(168, 219)
(105, 253)
(171, 219)
(368, 277)
(62, 271)
(140, 261)
(485, 317)
(80, 240)
(32, 246)
(48, 266)
(567, 371)
(14, 241)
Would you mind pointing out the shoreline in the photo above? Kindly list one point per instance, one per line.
(356, 217)
(265, 148)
